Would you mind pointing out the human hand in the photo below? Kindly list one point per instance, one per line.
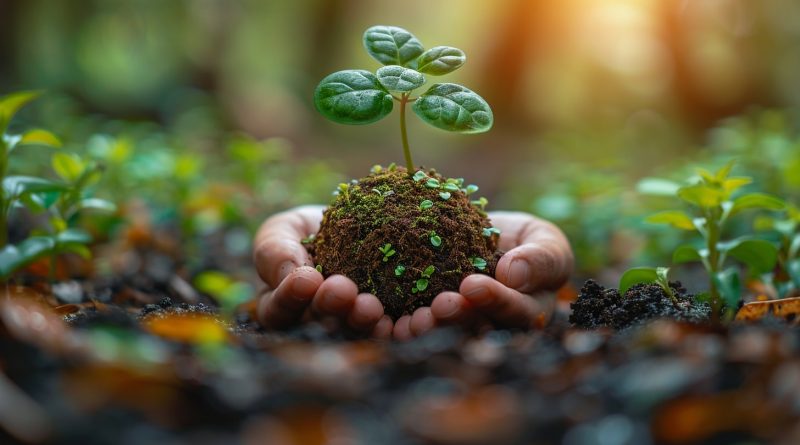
(538, 258)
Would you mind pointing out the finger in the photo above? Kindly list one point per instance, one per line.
(285, 305)
(452, 308)
(539, 256)
(366, 312)
(422, 321)
(277, 247)
(335, 296)
(383, 329)
(505, 306)
(402, 329)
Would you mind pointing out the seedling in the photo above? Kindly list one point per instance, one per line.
(478, 262)
(399, 270)
(656, 275)
(358, 97)
(426, 204)
(436, 240)
(710, 197)
(423, 282)
(444, 195)
(489, 231)
(387, 252)
(480, 203)
(785, 279)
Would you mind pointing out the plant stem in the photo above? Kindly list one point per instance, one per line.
(404, 135)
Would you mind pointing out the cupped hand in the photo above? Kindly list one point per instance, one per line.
(538, 259)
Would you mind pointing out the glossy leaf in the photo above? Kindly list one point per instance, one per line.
(391, 45)
(9, 260)
(14, 186)
(74, 236)
(759, 255)
(455, 108)
(657, 187)
(35, 247)
(757, 201)
(674, 218)
(635, 276)
(686, 254)
(68, 166)
(478, 262)
(422, 284)
(12, 103)
(40, 137)
(440, 60)
(397, 78)
(352, 97)
(98, 204)
(732, 184)
(729, 287)
(701, 195)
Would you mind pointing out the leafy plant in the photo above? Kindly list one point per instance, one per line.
(358, 97)
(478, 262)
(387, 252)
(710, 195)
(422, 284)
(785, 278)
(436, 240)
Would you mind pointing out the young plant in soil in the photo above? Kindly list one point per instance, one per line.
(785, 278)
(710, 196)
(404, 234)
(63, 200)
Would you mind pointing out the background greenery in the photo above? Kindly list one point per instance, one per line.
(202, 113)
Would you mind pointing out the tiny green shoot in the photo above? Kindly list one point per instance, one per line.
(399, 270)
(387, 252)
(478, 262)
(489, 231)
(436, 240)
(444, 195)
(426, 204)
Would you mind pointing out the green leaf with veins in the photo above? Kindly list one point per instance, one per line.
(391, 45)
(397, 78)
(759, 255)
(440, 60)
(454, 108)
(352, 97)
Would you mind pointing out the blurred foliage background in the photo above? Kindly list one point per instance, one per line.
(202, 111)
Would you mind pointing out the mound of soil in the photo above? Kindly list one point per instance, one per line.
(598, 306)
(425, 221)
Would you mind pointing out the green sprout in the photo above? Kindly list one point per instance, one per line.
(656, 275)
(426, 204)
(478, 262)
(358, 97)
(436, 240)
(444, 195)
(710, 195)
(480, 203)
(318, 267)
(419, 176)
(785, 279)
(470, 189)
(422, 283)
(432, 183)
(387, 251)
(399, 270)
(489, 231)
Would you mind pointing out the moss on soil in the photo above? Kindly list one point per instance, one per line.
(384, 208)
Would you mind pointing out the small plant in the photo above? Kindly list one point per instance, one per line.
(710, 195)
(360, 97)
(399, 270)
(478, 262)
(785, 278)
(656, 275)
(436, 240)
(489, 231)
(426, 204)
(423, 282)
(387, 251)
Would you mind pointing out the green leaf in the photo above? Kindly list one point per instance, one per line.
(725, 170)
(436, 240)
(78, 249)
(663, 275)
(657, 187)
(674, 218)
(478, 262)
(68, 166)
(701, 195)
(732, 184)
(391, 45)
(34, 248)
(759, 255)
(455, 108)
(73, 236)
(426, 204)
(14, 186)
(432, 183)
(729, 287)
(428, 271)
(793, 267)
(470, 189)
(40, 137)
(353, 97)
(399, 270)
(9, 260)
(422, 284)
(440, 60)
(444, 195)
(686, 254)
(635, 276)
(397, 78)
(12, 103)
(419, 176)
(98, 204)
(450, 187)
(757, 201)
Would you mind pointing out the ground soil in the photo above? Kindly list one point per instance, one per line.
(384, 208)
(598, 306)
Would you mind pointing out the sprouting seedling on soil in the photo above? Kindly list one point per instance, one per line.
(710, 196)
(359, 97)
(387, 251)
(655, 275)
(422, 284)
(436, 240)
(785, 279)
(478, 262)
(489, 231)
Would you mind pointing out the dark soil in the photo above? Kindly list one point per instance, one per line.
(597, 306)
(384, 208)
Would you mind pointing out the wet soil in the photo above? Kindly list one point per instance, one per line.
(386, 208)
(598, 306)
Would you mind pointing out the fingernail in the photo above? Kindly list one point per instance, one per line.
(304, 286)
(519, 272)
(453, 309)
(285, 269)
